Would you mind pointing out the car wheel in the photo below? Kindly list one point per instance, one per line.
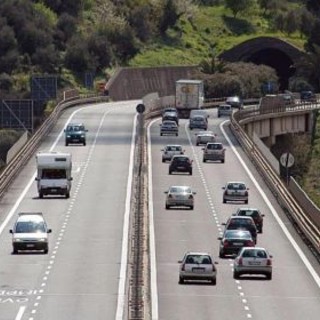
(190, 173)
(160, 134)
(66, 143)
(163, 160)
(197, 144)
(181, 280)
(191, 207)
(40, 195)
(236, 275)
(260, 230)
(15, 251)
(167, 207)
(45, 251)
(246, 201)
(214, 281)
(221, 254)
(68, 195)
(204, 160)
(170, 172)
(222, 161)
(224, 200)
(84, 143)
(176, 134)
(269, 276)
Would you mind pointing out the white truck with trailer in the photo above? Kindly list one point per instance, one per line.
(54, 173)
(189, 96)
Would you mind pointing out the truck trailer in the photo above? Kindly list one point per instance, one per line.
(54, 173)
(189, 96)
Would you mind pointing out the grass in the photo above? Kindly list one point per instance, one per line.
(211, 30)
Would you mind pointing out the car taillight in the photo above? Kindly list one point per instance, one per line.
(183, 267)
(269, 262)
(169, 196)
(225, 243)
(166, 152)
(246, 193)
(249, 243)
(240, 261)
(191, 196)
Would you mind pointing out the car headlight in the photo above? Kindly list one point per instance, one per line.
(17, 240)
(68, 136)
(42, 240)
(82, 136)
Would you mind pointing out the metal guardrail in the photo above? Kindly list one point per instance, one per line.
(310, 232)
(14, 167)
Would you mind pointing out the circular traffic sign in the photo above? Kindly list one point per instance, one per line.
(140, 108)
(287, 160)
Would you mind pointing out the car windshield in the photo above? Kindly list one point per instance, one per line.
(214, 146)
(180, 190)
(198, 259)
(174, 148)
(236, 221)
(75, 128)
(30, 227)
(248, 213)
(255, 253)
(181, 159)
(236, 186)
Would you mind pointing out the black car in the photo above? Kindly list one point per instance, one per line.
(242, 223)
(180, 163)
(308, 96)
(172, 116)
(75, 133)
(233, 240)
(254, 213)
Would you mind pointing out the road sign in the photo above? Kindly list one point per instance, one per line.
(140, 108)
(287, 160)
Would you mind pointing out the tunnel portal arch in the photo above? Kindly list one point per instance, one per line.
(273, 52)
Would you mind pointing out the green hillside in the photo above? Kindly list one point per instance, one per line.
(209, 30)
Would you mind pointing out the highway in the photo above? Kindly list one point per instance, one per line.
(84, 275)
(294, 291)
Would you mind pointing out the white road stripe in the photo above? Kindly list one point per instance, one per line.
(125, 232)
(20, 313)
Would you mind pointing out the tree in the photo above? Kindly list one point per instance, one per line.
(238, 6)
(291, 22)
(212, 65)
(268, 5)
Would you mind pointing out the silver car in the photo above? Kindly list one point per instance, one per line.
(253, 260)
(204, 138)
(171, 150)
(197, 266)
(214, 152)
(30, 232)
(180, 196)
(235, 191)
(169, 127)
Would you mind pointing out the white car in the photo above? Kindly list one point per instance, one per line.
(169, 127)
(171, 150)
(180, 196)
(204, 138)
(197, 266)
(253, 260)
(30, 232)
(235, 191)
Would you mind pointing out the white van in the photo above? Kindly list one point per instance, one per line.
(224, 110)
(54, 173)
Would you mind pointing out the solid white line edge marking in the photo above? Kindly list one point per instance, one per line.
(21, 311)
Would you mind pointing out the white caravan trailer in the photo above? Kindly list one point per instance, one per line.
(54, 173)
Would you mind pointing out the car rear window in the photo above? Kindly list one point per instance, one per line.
(198, 259)
(231, 234)
(236, 186)
(174, 148)
(254, 254)
(214, 146)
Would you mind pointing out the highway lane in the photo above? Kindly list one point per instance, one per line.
(83, 276)
(294, 291)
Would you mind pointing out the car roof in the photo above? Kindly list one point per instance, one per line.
(235, 182)
(225, 105)
(198, 253)
(173, 145)
(168, 122)
(215, 143)
(180, 156)
(184, 187)
(75, 124)
(254, 248)
(239, 217)
(25, 216)
(247, 209)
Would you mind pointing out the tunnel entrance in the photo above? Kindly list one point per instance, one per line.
(276, 59)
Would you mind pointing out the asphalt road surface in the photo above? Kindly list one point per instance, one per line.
(294, 291)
